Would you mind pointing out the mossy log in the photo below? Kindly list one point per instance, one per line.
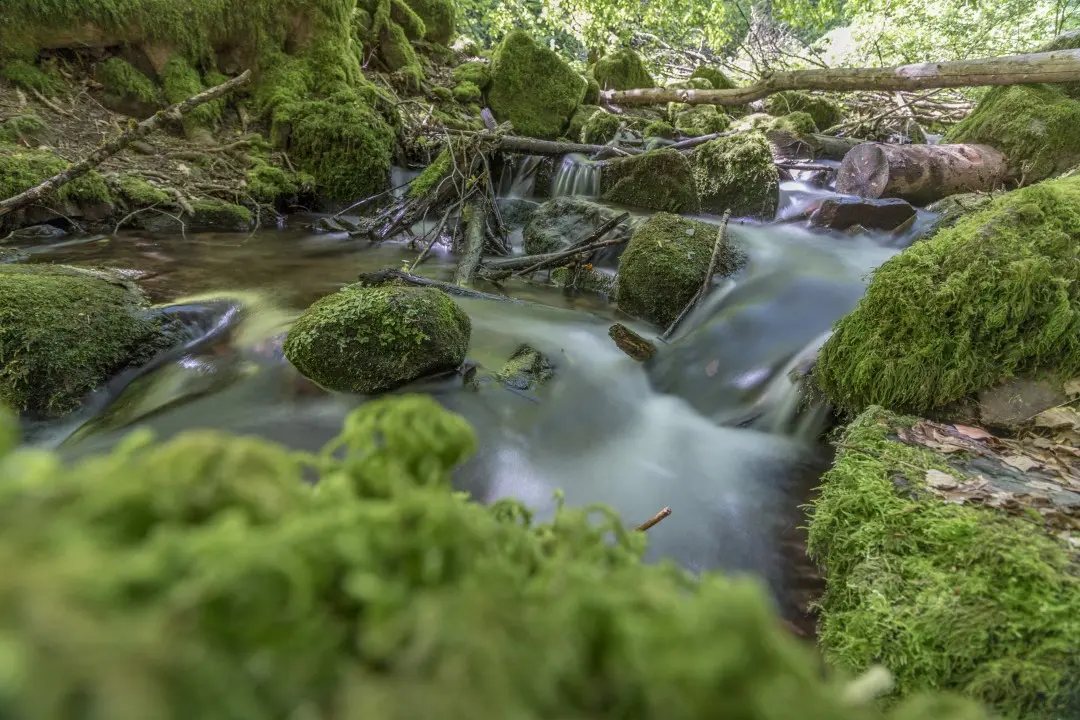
(1049, 67)
(474, 243)
(920, 174)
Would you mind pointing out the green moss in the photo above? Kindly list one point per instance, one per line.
(398, 54)
(754, 121)
(592, 91)
(362, 25)
(21, 170)
(622, 70)
(63, 331)
(221, 215)
(944, 595)
(600, 128)
(993, 297)
(268, 183)
(798, 122)
(664, 266)
(30, 77)
(139, 193)
(824, 111)
(532, 87)
(443, 94)
(697, 120)
(410, 22)
(124, 80)
(583, 278)
(432, 174)
(662, 129)
(371, 339)
(737, 173)
(527, 369)
(467, 92)
(578, 120)
(657, 180)
(717, 79)
(473, 71)
(24, 127)
(1033, 125)
(440, 18)
(180, 81)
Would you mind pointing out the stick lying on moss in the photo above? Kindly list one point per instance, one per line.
(120, 142)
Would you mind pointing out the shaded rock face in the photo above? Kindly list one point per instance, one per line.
(1015, 402)
(737, 173)
(371, 339)
(843, 213)
(952, 209)
(657, 180)
(563, 221)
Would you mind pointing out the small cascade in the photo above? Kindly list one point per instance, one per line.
(518, 179)
(576, 175)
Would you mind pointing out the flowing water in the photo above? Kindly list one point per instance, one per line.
(708, 428)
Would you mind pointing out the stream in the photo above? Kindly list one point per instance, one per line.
(710, 427)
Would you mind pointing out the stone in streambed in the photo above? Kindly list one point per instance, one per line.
(657, 180)
(563, 221)
(843, 213)
(527, 369)
(737, 173)
(371, 339)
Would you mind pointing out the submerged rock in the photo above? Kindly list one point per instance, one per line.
(622, 70)
(657, 180)
(532, 87)
(952, 569)
(665, 264)
(563, 221)
(737, 173)
(993, 297)
(64, 331)
(843, 213)
(527, 369)
(370, 339)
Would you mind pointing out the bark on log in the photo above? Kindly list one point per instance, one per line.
(920, 174)
(120, 142)
(787, 145)
(1061, 66)
(631, 343)
(474, 244)
(532, 146)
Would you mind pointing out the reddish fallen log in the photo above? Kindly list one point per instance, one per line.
(920, 174)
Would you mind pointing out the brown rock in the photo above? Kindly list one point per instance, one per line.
(843, 213)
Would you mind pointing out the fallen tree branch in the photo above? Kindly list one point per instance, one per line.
(382, 277)
(631, 343)
(654, 520)
(532, 146)
(474, 244)
(1062, 66)
(532, 263)
(120, 142)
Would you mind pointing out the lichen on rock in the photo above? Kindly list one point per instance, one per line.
(622, 70)
(532, 87)
(665, 264)
(371, 339)
(824, 111)
(657, 180)
(737, 173)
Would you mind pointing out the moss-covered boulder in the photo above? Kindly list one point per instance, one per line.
(995, 296)
(950, 210)
(563, 221)
(370, 339)
(473, 71)
(579, 119)
(930, 575)
(126, 89)
(64, 331)
(583, 278)
(697, 120)
(660, 129)
(1033, 125)
(600, 128)
(799, 122)
(737, 173)
(665, 264)
(527, 369)
(439, 16)
(22, 169)
(467, 92)
(657, 180)
(532, 87)
(622, 70)
(592, 90)
(717, 79)
(824, 111)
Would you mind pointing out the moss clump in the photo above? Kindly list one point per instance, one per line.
(411, 24)
(126, 82)
(63, 331)
(432, 174)
(717, 79)
(945, 595)
(697, 120)
(21, 170)
(268, 183)
(578, 120)
(220, 215)
(180, 81)
(995, 296)
(22, 128)
(371, 339)
(473, 71)
(532, 87)
(737, 173)
(527, 369)
(1033, 125)
(824, 111)
(137, 192)
(592, 90)
(443, 94)
(622, 70)
(661, 129)
(467, 92)
(440, 19)
(561, 222)
(600, 128)
(665, 264)
(30, 77)
(657, 180)
(798, 122)
(690, 84)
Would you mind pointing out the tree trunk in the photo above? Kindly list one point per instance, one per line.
(920, 174)
(532, 146)
(474, 244)
(1062, 66)
(789, 146)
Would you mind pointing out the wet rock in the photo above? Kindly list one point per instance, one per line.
(657, 180)
(559, 223)
(665, 264)
(951, 209)
(622, 70)
(843, 213)
(39, 233)
(371, 339)
(516, 212)
(209, 216)
(13, 255)
(737, 173)
(584, 278)
(527, 369)
(64, 331)
(1015, 402)
(532, 87)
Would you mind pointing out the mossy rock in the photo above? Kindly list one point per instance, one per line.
(28, 76)
(271, 184)
(622, 70)
(584, 278)
(211, 215)
(690, 84)
(138, 193)
(26, 127)
(657, 180)
(798, 122)
(1033, 125)
(180, 80)
(661, 129)
(754, 121)
(126, 89)
(824, 111)
(558, 223)
(371, 339)
(579, 119)
(398, 54)
(527, 369)
(532, 87)
(716, 78)
(665, 264)
(697, 120)
(473, 71)
(592, 90)
(22, 169)
(601, 128)
(440, 19)
(737, 173)
(467, 92)
(947, 594)
(993, 297)
(63, 332)
(411, 24)
(952, 209)
(443, 94)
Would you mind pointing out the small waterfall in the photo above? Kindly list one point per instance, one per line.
(576, 175)
(518, 179)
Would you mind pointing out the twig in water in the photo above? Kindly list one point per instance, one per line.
(704, 290)
(366, 200)
(438, 231)
(654, 520)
